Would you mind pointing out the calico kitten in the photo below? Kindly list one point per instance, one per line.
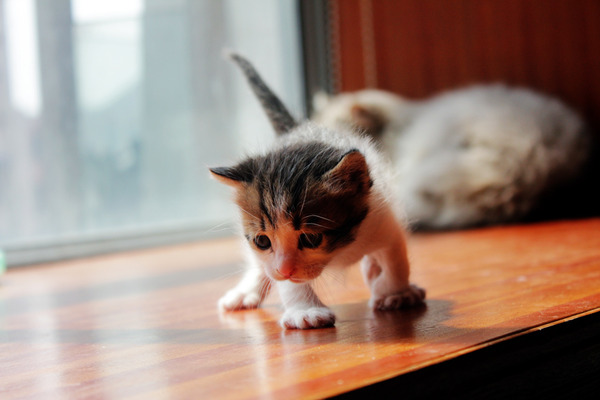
(317, 199)
(474, 156)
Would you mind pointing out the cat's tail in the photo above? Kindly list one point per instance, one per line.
(280, 118)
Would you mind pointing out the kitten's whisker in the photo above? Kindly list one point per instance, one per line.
(230, 274)
(265, 289)
(214, 230)
(318, 216)
(222, 227)
(250, 214)
(321, 287)
(318, 225)
(288, 214)
(336, 276)
(287, 223)
(305, 194)
(262, 291)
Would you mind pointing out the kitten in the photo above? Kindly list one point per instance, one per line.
(474, 156)
(318, 199)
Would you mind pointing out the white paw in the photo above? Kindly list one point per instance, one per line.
(236, 299)
(411, 296)
(316, 317)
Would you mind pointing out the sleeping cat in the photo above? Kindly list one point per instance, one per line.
(317, 199)
(474, 156)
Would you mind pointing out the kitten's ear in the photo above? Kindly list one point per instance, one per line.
(351, 174)
(232, 176)
(368, 118)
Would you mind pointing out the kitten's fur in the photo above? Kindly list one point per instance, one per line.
(474, 156)
(319, 198)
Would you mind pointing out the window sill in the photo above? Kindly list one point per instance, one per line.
(145, 324)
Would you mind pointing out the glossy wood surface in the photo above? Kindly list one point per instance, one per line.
(144, 324)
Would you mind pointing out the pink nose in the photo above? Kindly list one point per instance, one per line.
(287, 269)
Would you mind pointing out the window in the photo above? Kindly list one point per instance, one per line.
(111, 112)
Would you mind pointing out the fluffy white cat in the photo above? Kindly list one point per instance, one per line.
(474, 156)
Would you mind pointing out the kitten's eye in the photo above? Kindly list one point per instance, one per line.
(262, 242)
(310, 240)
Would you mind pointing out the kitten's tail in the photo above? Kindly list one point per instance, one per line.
(280, 118)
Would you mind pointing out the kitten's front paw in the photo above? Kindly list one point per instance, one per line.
(316, 317)
(411, 296)
(236, 299)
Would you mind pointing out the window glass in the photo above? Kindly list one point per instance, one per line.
(111, 112)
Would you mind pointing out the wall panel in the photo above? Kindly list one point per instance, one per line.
(420, 47)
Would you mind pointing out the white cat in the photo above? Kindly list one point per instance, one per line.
(474, 156)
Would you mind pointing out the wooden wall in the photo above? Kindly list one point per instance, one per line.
(419, 47)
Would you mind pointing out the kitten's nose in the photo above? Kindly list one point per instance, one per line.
(287, 269)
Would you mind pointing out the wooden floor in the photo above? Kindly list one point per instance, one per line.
(145, 325)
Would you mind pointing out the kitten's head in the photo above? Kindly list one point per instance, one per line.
(300, 205)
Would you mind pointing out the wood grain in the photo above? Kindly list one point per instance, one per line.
(424, 46)
(144, 324)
